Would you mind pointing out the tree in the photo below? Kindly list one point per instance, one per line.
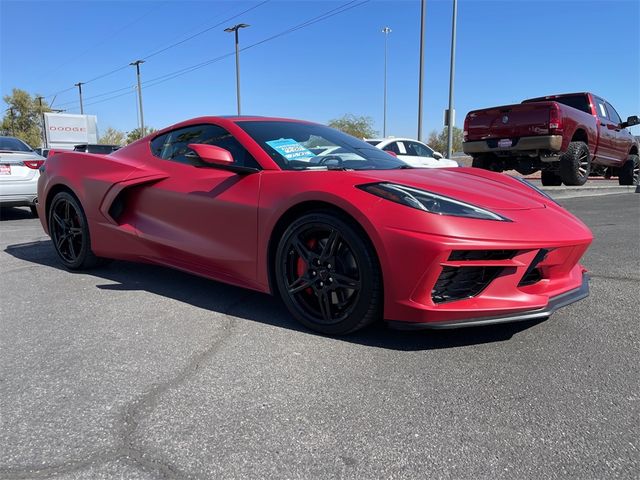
(134, 134)
(438, 141)
(23, 117)
(359, 127)
(111, 136)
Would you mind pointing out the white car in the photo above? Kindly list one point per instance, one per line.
(412, 152)
(19, 173)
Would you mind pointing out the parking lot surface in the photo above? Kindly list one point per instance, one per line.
(139, 372)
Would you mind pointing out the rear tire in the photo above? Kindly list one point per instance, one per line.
(575, 164)
(328, 274)
(69, 232)
(34, 210)
(480, 162)
(550, 179)
(630, 171)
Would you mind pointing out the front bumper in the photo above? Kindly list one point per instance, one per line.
(554, 304)
(551, 143)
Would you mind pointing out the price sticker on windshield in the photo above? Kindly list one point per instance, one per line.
(290, 149)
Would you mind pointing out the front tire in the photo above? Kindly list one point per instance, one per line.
(70, 232)
(630, 171)
(575, 164)
(550, 179)
(328, 274)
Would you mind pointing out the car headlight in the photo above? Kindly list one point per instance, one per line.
(429, 201)
(533, 187)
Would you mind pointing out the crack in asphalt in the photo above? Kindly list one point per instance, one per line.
(133, 413)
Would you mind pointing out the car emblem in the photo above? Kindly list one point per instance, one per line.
(505, 119)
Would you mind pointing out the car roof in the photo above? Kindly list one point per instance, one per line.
(226, 119)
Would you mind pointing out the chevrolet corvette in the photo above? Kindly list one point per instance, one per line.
(343, 232)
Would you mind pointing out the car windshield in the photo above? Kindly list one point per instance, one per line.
(305, 146)
(10, 144)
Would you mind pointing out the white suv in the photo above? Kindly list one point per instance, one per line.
(19, 173)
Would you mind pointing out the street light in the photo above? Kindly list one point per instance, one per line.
(386, 31)
(137, 65)
(423, 9)
(235, 29)
(452, 71)
(79, 85)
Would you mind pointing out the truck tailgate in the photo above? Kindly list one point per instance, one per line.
(509, 121)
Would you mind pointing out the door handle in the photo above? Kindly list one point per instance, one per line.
(602, 124)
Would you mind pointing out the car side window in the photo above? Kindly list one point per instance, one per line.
(613, 115)
(174, 145)
(418, 150)
(601, 108)
(392, 147)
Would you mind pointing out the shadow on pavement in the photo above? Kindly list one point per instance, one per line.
(258, 307)
(15, 213)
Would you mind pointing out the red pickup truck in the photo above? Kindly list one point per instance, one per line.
(568, 137)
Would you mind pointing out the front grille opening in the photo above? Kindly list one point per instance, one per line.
(462, 255)
(456, 283)
(534, 276)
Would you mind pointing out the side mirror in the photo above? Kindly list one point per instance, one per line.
(393, 154)
(438, 155)
(631, 121)
(212, 155)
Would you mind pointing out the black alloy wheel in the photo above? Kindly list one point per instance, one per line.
(328, 275)
(69, 232)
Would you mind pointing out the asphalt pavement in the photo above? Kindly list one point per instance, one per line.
(139, 372)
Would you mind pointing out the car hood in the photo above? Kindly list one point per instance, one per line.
(486, 189)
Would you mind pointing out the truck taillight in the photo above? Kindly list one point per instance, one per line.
(465, 130)
(555, 119)
(33, 164)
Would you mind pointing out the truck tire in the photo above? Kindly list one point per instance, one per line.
(480, 162)
(550, 179)
(575, 164)
(630, 171)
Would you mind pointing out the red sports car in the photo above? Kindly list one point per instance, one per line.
(344, 232)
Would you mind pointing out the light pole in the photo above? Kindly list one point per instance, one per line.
(44, 133)
(137, 65)
(386, 31)
(235, 29)
(452, 70)
(79, 85)
(423, 11)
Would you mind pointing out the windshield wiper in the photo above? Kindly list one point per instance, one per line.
(401, 167)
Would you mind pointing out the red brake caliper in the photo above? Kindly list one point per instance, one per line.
(302, 266)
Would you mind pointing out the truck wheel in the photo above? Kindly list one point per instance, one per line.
(480, 162)
(630, 171)
(550, 179)
(575, 164)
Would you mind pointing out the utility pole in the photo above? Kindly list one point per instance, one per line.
(423, 11)
(235, 29)
(137, 65)
(386, 31)
(44, 133)
(452, 70)
(79, 85)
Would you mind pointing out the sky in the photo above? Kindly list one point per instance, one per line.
(506, 51)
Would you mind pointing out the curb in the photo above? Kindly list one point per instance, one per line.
(589, 191)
